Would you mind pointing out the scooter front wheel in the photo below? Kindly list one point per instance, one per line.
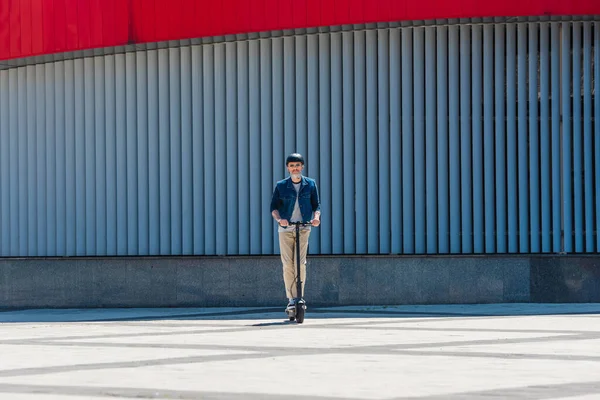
(300, 311)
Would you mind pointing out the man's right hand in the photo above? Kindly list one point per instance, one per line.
(284, 222)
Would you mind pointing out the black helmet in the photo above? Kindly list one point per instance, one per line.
(294, 157)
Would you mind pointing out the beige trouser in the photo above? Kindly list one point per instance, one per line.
(287, 245)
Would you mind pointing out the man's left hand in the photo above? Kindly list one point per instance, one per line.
(315, 222)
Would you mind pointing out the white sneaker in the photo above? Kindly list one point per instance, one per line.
(291, 307)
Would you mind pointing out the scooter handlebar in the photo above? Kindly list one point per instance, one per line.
(299, 224)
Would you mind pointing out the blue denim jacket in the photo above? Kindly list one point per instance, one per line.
(284, 198)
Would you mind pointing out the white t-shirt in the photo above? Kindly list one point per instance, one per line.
(296, 214)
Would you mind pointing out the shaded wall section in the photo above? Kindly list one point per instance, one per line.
(332, 281)
(258, 281)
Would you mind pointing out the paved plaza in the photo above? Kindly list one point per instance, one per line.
(523, 351)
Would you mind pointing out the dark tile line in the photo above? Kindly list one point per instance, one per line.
(539, 392)
(505, 356)
(315, 310)
(127, 364)
(146, 393)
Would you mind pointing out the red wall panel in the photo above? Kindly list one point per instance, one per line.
(34, 27)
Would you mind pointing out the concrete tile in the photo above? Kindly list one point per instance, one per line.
(216, 283)
(243, 282)
(464, 280)
(323, 281)
(381, 282)
(433, 280)
(270, 289)
(517, 280)
(3, 284)
(190, 283)
(408, 282)
(45, 283)
(353, 281)
(135, 283)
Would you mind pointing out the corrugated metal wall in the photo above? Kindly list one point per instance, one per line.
(433, 139)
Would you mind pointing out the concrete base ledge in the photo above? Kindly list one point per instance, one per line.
(331, 281)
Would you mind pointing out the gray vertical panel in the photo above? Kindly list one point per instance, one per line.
(597, 127)
(244, 164)
(80, 153)
(70, 166)
(220, 133)
(13, 157)
(300, 90)
(289, 96)
(556, 130)
(232, 211)
(350, 232)
(372, 145)
(198, 148)
(337, 199)
(276, 116)
(360, 135)
(511, 138)
(477, 138)
(69, 160)
(59, 99)
(408, 213)
(266, 150)
(522, 140)
(143, 166)
(90, 157)
(545, 138)
(22, 159)
(324, 177)
(587, 137)
(500, 135)
(431, 151)
(174, 133)
(420, 199)
(454, 138)
(32, 197)
(5, 232)
(577, 140)
(41, 160)
(102, 127)
(301, 93)
(164, 153)
(208, 101)
(534, 140)
(313, 125)
(442, 141)
(154, 222)
(465, 140)
(110, 160)
(121, 106)
(258, 208)
(395, 144)
(567, 148)
(488, 140)
(383, 156)
(132, 172)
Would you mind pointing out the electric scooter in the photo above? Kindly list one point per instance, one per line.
(299, 310)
